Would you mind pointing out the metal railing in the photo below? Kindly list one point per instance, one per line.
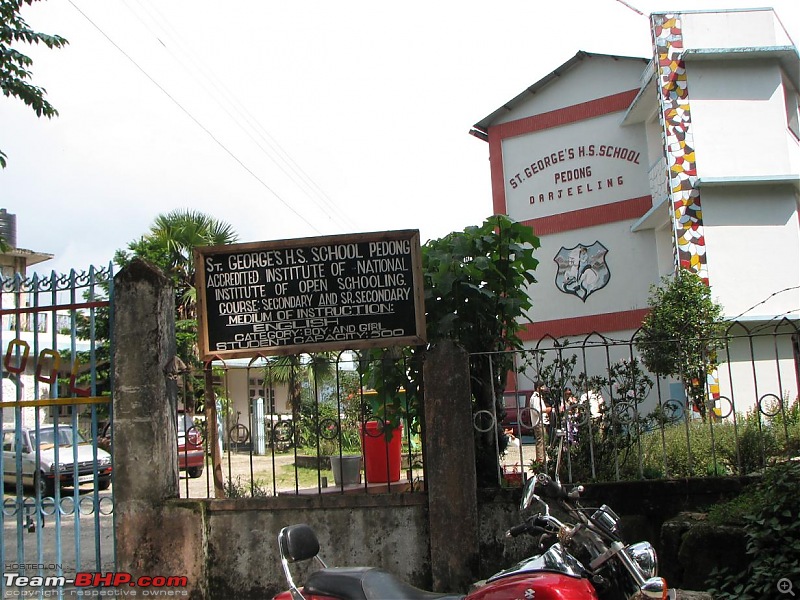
(310, 424)
(623, 422)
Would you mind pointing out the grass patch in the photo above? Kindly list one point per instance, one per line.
(288, 477)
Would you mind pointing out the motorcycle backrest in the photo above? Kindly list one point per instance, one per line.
(298, 542)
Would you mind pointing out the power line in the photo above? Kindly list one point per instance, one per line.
(633, 8)
(765, 300)
(224, 96)
(195, 120)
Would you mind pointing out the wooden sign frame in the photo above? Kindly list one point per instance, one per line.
(328, 293)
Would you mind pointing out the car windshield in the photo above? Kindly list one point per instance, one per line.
(66, 435)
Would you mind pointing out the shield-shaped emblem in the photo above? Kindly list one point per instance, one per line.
(582, 270)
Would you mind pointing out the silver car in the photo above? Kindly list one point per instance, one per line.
(44, 475)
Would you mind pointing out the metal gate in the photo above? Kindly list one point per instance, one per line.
(57, 516)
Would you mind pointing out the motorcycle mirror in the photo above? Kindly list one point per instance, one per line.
(531, 501)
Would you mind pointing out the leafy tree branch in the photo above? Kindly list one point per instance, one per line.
(15, 74)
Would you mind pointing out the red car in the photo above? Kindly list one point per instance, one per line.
(191, 456)
(520, 415)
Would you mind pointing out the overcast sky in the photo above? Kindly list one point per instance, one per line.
(285, 119)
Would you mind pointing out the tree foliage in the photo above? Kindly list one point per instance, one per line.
(680, 336)
(169, 245)
(475, 283)
(476, 293)
(15, 73)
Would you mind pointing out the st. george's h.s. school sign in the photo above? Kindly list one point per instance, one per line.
(310, 294)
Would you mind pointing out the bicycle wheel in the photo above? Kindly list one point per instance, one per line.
(282, 435)
(239, 434)
(673, 410)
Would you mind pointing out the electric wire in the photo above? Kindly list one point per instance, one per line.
(295, 172)
(633, 8)
(195, 120)
(765, 300)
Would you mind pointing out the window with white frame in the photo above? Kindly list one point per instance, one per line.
(258, 390)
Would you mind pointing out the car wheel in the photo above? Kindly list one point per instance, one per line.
(194, 472)
(103, 483)
(44, 486)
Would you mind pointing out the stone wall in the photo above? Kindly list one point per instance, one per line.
(241, 550)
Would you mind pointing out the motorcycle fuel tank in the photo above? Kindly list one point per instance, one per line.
(536, 586)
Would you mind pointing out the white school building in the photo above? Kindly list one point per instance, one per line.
(628, 167)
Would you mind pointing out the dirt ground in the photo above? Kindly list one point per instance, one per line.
(241, 467)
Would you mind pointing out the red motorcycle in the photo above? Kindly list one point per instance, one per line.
(582, 560)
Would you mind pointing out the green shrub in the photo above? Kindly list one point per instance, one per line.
(688, 449)
(773, 537)
(239, 488)
(733, 512)
(685, 449)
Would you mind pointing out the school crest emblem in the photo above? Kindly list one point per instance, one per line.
(582, 270)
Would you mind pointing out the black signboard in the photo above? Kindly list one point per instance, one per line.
(310, 294)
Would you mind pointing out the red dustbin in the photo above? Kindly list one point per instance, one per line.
(381, 457)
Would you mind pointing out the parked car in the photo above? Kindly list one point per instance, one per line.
(519, 418)
(191, 456)
(48, 473)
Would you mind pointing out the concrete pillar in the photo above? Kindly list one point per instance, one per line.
(450, 469)
(145, 436)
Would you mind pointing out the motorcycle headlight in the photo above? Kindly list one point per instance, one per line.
(644, 555)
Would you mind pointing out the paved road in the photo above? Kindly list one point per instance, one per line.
(84, 536)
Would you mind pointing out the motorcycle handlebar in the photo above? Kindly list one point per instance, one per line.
(517, 530)
(576, 492)
(536, 524)
(553, 488)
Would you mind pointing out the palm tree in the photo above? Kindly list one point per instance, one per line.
(170, 244)
(179, 233)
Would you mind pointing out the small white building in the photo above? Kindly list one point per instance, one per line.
(628, 167)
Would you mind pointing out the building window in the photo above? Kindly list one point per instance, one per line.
(792, 110)
(257, 390)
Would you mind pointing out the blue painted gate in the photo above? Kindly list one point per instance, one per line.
(57, 515)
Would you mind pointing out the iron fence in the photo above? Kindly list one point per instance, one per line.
(620, 421)
(310, 424)
(313, 424)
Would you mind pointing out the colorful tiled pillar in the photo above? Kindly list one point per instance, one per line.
(676, 122)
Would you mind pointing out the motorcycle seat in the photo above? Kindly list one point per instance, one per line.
(367, 583)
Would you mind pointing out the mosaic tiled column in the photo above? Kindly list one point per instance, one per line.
(676, 122)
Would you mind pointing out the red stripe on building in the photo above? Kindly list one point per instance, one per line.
(566, 115)
(603, 323)
(597, 215)
(553, 118)
(496, 169)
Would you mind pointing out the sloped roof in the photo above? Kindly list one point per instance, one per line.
(480, 129)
